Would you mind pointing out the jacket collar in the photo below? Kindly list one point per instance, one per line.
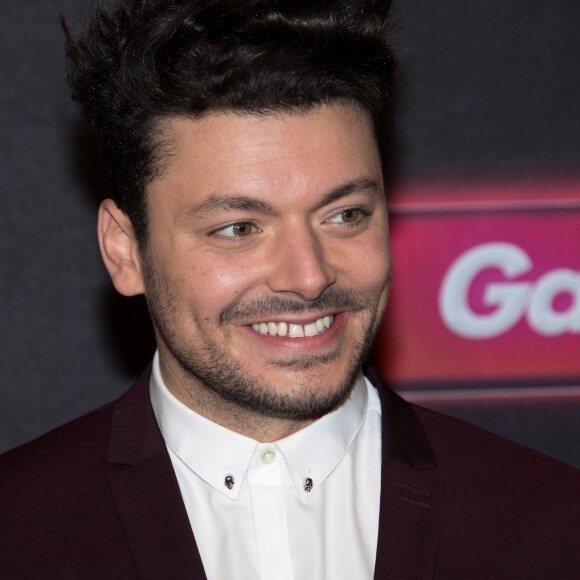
(411, 492)
(146, 492)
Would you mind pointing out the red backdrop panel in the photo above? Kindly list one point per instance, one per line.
(486, 285)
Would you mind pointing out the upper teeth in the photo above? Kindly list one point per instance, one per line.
(294, 330)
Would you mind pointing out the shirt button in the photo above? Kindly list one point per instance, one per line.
(267, 456)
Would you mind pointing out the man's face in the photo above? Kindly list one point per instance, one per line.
(267, 267)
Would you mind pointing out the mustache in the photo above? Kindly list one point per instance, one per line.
(263, 308)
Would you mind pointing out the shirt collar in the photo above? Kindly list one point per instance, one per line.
(213, 452)
(315, 451)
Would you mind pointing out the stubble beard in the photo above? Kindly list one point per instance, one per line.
(212, 367)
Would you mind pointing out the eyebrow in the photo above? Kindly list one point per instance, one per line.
(368, 187)
(219, 203)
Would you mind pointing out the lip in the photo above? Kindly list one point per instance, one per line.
(307, 343)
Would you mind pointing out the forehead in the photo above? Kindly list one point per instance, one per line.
(268, 154)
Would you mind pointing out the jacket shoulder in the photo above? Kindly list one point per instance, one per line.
(73, 444)
(57, 515)
(61, 472)
(462, 447)
(508, 508)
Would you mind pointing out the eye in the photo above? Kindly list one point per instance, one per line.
(237, 230)
(347, 216)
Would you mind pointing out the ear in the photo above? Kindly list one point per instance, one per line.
(119, 249)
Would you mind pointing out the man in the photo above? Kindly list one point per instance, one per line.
(244, 144)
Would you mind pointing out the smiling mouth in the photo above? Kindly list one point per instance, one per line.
(291, 330)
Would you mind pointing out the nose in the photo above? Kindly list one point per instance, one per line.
(301, 265)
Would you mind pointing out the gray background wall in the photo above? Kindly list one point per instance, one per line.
(490, 88)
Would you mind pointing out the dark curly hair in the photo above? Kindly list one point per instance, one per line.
(147, 60)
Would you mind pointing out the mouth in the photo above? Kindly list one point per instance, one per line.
(292, 330)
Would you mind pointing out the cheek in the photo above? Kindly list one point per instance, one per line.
(368, 266)
(224, 279)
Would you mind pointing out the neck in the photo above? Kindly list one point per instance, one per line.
(228, 414)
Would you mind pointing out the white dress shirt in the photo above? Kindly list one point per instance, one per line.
(304, 507)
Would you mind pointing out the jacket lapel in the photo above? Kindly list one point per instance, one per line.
(411, 493)
(146, 492)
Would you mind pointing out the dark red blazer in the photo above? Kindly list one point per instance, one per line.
(98, 498)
